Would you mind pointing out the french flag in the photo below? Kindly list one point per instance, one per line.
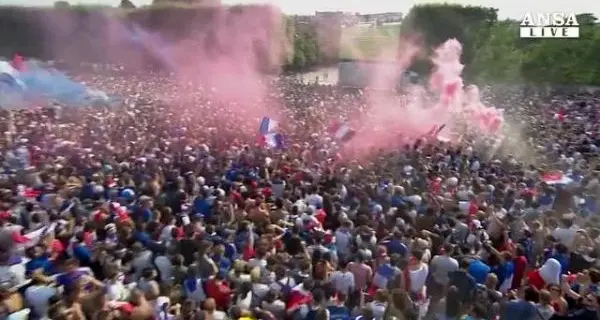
(341, 131)
(267, 125)
(556, 177)
(274, 141)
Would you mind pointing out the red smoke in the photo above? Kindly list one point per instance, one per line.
(219, 61)
(222, 52)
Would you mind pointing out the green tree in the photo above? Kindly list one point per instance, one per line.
(436, 23)
(61, 4)
(126, 4)
(565, 61)
(498, 57)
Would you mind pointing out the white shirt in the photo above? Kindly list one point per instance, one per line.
(566, 236)
(260, 290)
(312, 220)
(159, 313)
(164, 266)
(418, 278)
(314, 200)
(142, 261)
(343, 281)
(342, 241)
(12, 275)
(378, 309)
(37, 297)
(254, 262)
(117, 291)
(279, 284)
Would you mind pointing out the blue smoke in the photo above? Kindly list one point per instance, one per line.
(36, 83)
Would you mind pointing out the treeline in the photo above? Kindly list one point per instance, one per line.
(95, 34)
(492, 49)
(494, 52)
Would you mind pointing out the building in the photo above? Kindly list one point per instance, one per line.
(387, 17)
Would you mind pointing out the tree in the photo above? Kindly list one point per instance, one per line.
(126, 4)
(61, 4)
(498, 58)
(436, 23)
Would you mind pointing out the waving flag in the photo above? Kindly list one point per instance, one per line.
(556, 177)
(274, 141)
(341, 131)
(32, 238)
(267, 125)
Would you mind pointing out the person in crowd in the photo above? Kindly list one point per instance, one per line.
(159, 208)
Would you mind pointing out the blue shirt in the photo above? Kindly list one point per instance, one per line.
(223, 263)
(563, 260)
(397, 201)
(201, 206)
(338, 313)
(396, 246)
(386, 271)
(67, 280)
(479, 270)
(230, 251)
(504, 272)
(87, 191)
(142, 237)
(41, 262)
(82, 254)
(519, 309)
(147, 215)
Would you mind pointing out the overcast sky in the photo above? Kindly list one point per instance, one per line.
(508, 8)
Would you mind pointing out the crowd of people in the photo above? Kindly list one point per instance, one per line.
(149, 210)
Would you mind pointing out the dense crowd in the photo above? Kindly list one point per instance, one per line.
(160, 210)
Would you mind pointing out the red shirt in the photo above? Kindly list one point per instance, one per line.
(520, 265)
(535, 279)
(88, 238)
(321, 215)
(248, 253)
(473, 208)
(57, 248)
(219, 291)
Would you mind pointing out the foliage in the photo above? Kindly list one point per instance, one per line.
(61, 4)
(493, 51)
(85, 33)
(126, 4)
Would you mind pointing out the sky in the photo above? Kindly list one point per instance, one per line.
(514, 9)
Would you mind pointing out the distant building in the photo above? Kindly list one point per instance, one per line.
(329, 15)
(303, 19)
(386, 17)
